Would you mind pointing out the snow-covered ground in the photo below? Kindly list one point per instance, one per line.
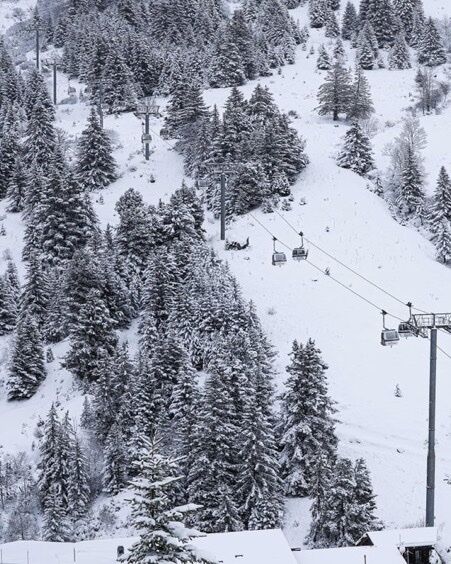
(297, 302)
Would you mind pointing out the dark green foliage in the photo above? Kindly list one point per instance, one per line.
(27, 364)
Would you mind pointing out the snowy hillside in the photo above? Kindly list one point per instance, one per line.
(338, 213)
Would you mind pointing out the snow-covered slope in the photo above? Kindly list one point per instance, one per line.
(297, 302)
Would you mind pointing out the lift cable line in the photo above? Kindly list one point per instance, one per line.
(422, 324)
(310, 242)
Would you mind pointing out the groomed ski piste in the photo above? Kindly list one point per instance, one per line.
(338, 213)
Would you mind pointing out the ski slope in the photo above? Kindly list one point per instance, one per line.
(297, 301)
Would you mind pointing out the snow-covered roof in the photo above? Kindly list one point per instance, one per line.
(247, 547)
(420, 536)
(351, 555)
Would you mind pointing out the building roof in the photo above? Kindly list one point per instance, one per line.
(351, 555)
(420, 536)
(247, 547)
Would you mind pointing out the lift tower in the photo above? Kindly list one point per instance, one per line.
(424, 323)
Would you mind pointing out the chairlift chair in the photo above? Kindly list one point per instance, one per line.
(300, 253)
(278, 258)
(389, 337)
(406, 329)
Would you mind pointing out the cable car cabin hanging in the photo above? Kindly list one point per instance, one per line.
(278, 258)
(406, 329)
(389, 337)
(300, 253)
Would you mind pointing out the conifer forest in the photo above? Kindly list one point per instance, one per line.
(213, 214)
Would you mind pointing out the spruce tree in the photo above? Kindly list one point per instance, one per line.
(91, 337)
(332, 29)
(365, 54)
(162, 534)
(361, 105)
(317, 13)
(365, 496)
(430, 48)
(27, 369)
(95, 167)
(399, 57)
(350, 21)
(356, 152)
(442, 240)
(323, 60)
(335, 94)
(55, 527)
(410, 198)
(79, 495)
(120, 93)
(441, 202)
(8, 306)
(115, 476)
(307, 426)
(226, 68)
(339, 522)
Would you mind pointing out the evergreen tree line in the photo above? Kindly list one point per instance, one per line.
(380, 25)
(253, 139)
(139, 48)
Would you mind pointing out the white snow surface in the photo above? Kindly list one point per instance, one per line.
(246, 547)
(297, 301)
(420, 536)
(351, 555)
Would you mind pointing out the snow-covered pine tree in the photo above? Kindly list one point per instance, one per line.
(317, 13)
(399, 57)
(27, 369)
(405, 11)
(335, 94)
(95, 167)
(40, 137)
(55, 527)
(365, 497)
(8, 306)
(90, 337)
(307, 426)
(361, 104)
(120, 93)
(17, 188)
(380, 15)
(365, 54)
(442, 240)
(332, 29)
(441, 202)
(226, 68)
(258, 481)
(212, 470)
(417, 29)
(349, 24)
(430, 48)
(78, 494)
(323, 60)
(10, 153)
(162, 534)
(319, 491)
(115, 465)
(339, 522)
(410, 197)
(356, 153)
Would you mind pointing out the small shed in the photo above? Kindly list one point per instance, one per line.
(350, 555)
(417, 545)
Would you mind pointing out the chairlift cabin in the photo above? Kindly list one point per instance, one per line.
(299, 253)
(278, 258)
(406, 329)
(389, 337)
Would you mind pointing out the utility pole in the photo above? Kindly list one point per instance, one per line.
(220, 173)
(423, 323)
(146, 108)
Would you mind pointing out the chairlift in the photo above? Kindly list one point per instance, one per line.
(389, 337)
(300, 253)
(408, 328)
(278, 258)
